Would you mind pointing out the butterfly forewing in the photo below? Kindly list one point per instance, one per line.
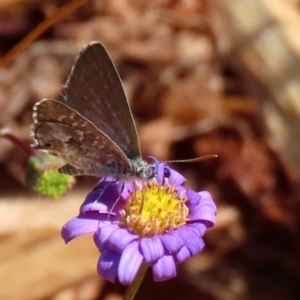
(63, 132)
(94, 90)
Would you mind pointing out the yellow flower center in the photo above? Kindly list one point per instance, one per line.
(155, 209)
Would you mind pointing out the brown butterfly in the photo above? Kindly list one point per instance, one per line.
(90, 124)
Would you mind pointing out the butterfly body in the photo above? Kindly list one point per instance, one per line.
(90, 124)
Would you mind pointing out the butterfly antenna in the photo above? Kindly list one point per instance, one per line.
(193, 160)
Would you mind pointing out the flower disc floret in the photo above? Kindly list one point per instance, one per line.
(155, 209)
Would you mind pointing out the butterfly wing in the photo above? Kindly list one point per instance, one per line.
(94, 90)
(63, 132)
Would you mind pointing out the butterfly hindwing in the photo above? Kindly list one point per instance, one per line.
(65, 133)
(71, 170)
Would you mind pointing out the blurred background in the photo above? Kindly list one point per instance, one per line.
(203, 77)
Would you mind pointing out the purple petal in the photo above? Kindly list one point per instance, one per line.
(200, 227)
(160, 172)
(164, 268)
(205, 198)
(191, 238)
(103, 198)
(108, 264)
(174, 177)
(152, 249)
(102, 235)
(130, 262)
(205, 213)
(193, 199)
(130, 186)
(92, 204)
(181, 190)
(172, 241)
(81, 225)
(120, 239)
(182, 255)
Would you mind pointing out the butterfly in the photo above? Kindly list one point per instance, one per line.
(90, 124)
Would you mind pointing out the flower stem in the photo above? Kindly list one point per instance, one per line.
(15, 140)
(134, 286)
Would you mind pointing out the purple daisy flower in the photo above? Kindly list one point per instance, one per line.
(158, 222)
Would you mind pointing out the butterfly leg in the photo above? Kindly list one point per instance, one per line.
(102, 191)
(118, 198)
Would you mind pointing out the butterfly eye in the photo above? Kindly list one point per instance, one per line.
(167, 172)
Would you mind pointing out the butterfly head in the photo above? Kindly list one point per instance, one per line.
(142, 170)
